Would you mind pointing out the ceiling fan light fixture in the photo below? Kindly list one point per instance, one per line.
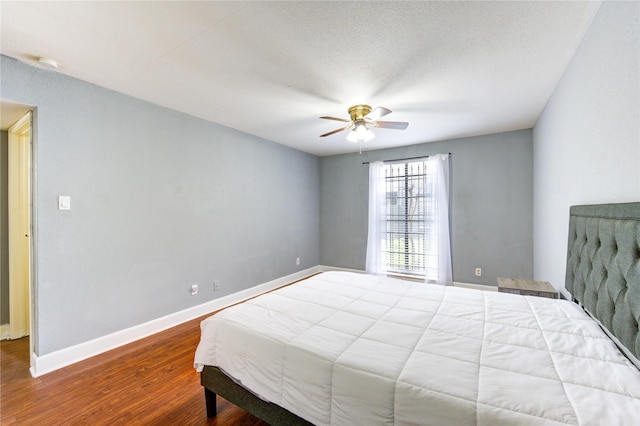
(360, 133)
(362, 116)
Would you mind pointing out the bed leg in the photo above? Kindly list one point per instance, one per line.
(210, 402)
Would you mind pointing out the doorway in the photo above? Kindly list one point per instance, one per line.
(19, 220)
(17, 251)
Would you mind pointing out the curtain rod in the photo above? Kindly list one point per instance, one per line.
(402, 159)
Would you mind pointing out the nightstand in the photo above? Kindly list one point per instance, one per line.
(527, 287)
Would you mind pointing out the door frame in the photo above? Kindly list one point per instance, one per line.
(20, 227)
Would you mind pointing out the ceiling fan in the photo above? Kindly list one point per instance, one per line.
(362, 118)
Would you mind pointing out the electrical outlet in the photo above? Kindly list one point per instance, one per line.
(216, 285)
(194, 289)
(297, 260)
(478, 272)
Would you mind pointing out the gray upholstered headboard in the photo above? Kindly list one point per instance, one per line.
(603, 267)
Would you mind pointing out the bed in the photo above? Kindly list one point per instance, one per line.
(344, 348)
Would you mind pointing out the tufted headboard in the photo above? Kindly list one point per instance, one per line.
(603, 267)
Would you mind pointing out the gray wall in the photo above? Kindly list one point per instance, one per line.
(587, 139)
(4, 230)
(160, 200)
(492, 196)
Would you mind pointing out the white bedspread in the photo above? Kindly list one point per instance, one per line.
(345, 349)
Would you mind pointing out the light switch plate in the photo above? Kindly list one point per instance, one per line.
(64, 202)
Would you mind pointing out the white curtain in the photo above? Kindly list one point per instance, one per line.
(377, 205)
(438, 239)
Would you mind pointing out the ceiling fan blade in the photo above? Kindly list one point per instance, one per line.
(335, 131)
(379, 112)
(398, 125)
(337, 119)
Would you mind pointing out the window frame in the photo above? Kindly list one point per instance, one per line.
(409, 225)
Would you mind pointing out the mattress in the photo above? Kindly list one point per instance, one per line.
(342, 348)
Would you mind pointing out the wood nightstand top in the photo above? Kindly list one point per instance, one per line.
(528, 285)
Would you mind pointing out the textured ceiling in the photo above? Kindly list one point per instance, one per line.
(270, 69)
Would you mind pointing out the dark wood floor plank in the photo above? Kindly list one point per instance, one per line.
(148, 382)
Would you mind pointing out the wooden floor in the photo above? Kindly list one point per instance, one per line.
(148, 382)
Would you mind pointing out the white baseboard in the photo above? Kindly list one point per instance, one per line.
(323, 268)
(476, 286)
(53, 361)
(455, 283)
(4, 331)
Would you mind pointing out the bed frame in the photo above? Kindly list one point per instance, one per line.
(602, 275)
(215, 382)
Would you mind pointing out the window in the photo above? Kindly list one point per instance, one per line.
(403, 222)
(408, 208)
